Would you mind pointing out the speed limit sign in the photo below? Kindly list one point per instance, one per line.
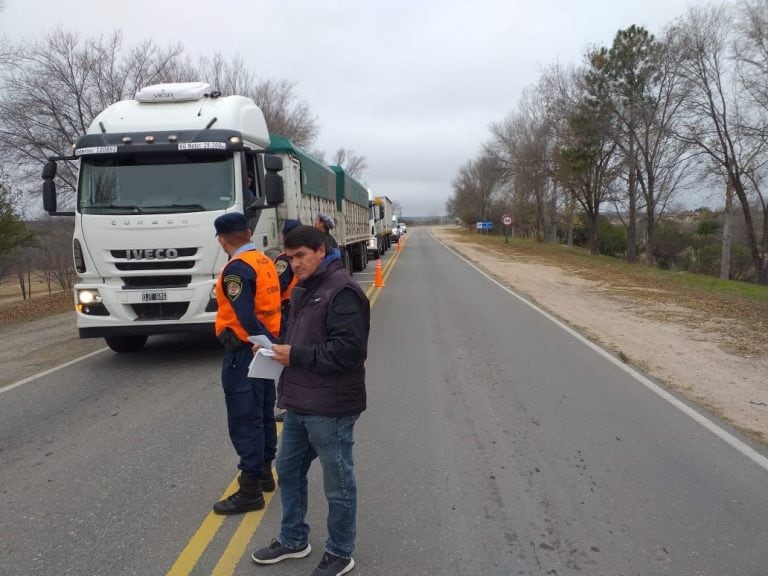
(506, 220)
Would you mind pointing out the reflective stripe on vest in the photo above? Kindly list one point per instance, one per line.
(266, 299)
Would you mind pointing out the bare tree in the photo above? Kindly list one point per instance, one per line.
(284, 113)
(353, 164)
(723, 120)
(53, 254)
(474, 188)
(55, 87)
(751, 51)
(522, 145)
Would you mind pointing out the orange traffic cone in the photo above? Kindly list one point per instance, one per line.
(378, 281)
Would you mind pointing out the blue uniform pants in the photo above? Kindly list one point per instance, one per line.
(250, 411)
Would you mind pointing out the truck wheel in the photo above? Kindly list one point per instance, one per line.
(124, 344)
(346, 261)
(358, 261)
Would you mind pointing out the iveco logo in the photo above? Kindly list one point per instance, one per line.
(152, 254)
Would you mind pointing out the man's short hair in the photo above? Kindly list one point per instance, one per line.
(307, 236)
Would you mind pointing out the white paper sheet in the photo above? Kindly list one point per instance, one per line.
(262, 365)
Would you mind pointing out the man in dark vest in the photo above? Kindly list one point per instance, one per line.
(248, 298)
(322, 387)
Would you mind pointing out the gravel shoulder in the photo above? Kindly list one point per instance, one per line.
(702, 358)
(37, 345)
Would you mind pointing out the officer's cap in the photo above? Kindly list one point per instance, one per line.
(290, 224)
(230, 222)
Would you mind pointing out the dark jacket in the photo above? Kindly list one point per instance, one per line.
(328, 333)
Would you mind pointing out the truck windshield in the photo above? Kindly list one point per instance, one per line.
(158, 184)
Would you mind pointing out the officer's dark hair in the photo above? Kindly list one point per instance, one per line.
(307, 236)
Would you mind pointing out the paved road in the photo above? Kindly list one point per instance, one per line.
(495, 443)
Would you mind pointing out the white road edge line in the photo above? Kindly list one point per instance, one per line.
(50, 370)
(724, 435)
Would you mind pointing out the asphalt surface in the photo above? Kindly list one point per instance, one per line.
(495, 443)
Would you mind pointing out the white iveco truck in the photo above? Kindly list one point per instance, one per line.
(154, 173)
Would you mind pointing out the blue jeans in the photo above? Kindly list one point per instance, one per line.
(329, 438)
(250, 412)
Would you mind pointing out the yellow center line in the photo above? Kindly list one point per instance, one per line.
(235, 549)
(200, 540)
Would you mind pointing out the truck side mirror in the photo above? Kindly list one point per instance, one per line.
(273, 188)
(49, 195)
(49, 170)
(274, 193)
(273, 163)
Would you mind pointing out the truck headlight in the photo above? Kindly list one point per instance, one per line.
(89, 303)
(90, 296)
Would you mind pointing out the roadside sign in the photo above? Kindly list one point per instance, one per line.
(484, 225)
(506, 220)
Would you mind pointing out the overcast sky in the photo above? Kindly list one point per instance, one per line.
(413, 86)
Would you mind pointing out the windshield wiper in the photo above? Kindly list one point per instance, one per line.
(178, 207)
(126, 208)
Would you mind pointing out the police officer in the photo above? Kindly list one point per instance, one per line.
(248, 297)
(285, 274)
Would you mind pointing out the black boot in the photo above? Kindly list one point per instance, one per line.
(247, 498)
(267, 479)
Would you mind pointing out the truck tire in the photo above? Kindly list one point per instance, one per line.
(346, 261)
(124, 344)
(358, 260)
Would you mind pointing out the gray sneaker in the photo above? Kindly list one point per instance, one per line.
(332, 565)
(276, 552)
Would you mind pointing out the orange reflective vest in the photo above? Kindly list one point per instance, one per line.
(266, 299)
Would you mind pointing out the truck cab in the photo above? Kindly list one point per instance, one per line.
(154, 173)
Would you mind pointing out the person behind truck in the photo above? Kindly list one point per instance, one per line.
(248, 297)
(325, 224)
(323, 389)
(285, 274)
(287, 281)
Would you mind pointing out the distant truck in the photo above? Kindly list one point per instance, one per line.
(154, 173)
(351, 231)
(311, 188)
(381, 231)
(395, 235)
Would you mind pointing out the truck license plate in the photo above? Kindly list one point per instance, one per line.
(154, 296)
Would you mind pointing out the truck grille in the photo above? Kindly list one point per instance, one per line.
(124, 260)
(160, 310)
(143, 282)
(123, 254)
